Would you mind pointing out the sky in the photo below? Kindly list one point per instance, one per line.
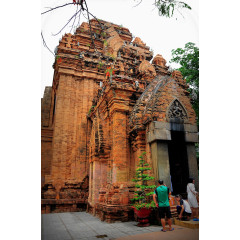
(161, 34)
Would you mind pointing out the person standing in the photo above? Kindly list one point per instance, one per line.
(161, 199)
(183, 208)
(192, 198)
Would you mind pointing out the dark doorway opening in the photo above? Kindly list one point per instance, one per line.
(178, 160)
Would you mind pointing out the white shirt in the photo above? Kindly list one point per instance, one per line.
(186, 206)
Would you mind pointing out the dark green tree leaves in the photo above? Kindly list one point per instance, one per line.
(167, 8)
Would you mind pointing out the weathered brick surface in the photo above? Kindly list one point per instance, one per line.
(46, 154)
(46, 135)
(156, 100)
(99, 123)
(46, 106)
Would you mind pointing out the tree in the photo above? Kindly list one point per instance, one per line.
(188, 58)
(143, 194)
(166, 8)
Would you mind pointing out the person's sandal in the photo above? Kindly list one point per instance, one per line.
(171, 229)
(163, 230)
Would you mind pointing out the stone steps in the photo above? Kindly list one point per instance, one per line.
(173, 209)
(188, 224)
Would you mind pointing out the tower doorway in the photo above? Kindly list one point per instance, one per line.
(178, 161)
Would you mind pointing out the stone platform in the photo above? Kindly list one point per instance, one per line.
(188, 224)
(83, 226)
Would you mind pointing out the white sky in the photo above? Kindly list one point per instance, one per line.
(159, 33)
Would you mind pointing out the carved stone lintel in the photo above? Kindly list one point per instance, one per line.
(176, 110)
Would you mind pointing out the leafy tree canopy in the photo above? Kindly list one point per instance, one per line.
(188, 58)
(166, 8)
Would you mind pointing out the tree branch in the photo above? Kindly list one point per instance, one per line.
(67, 22)
(75, 18)
(45, 45)
(57, 7)
(138, 3)
(90, 26)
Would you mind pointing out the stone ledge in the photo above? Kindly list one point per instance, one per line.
(159, 125)
(62, 201)
(187, 224)
(162, 131)
(158, 134)
(190, 128)
(173, 126)
(191, 137)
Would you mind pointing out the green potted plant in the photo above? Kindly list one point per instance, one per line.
(142, 200)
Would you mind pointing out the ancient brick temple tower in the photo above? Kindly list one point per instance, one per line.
(95, 124)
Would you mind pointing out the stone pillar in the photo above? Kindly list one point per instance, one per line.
(119, 147)
(96, 182)
(90, 182)
(192, 164)
(160, 160)
(154, 152)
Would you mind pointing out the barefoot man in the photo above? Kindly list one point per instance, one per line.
(161, 199)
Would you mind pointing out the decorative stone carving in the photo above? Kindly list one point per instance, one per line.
(69, 40)
(115, 42)
(146, 68)
(138, 41)
(177, 75)
(159, 60)
(176, 110)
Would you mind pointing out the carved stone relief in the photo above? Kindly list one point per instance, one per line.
(176, 110)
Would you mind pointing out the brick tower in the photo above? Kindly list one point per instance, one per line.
(107, 105)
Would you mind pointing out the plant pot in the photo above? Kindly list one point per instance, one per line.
(143, 216)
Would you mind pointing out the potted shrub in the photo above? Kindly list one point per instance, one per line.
(142, 200)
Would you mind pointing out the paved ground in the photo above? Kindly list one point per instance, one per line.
(179, 233)
(83, 226)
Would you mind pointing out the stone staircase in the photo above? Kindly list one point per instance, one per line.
(173, 210)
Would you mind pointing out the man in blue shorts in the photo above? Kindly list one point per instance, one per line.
(161, 199)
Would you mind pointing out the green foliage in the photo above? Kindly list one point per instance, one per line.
(188, 58)
(100, 64)
(138, 206)
(105, 43)
(104, 34)
(91, 108)
(166, 8)
(143, 194)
